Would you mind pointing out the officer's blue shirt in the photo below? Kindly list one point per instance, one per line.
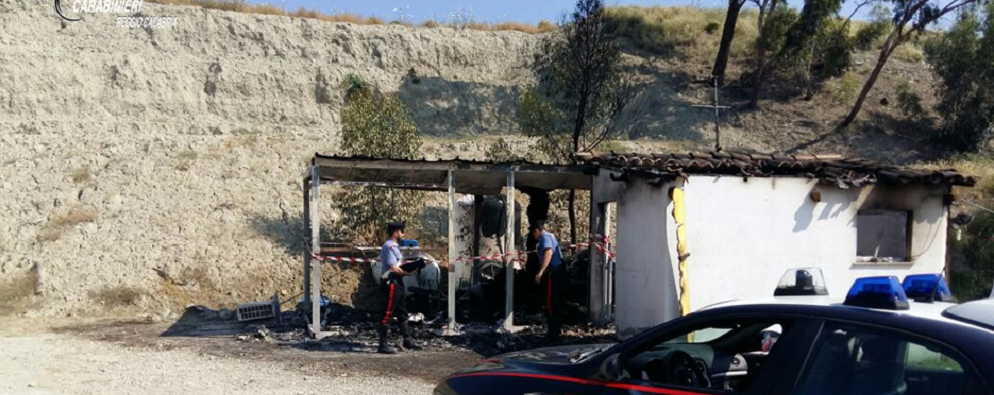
(546, 241)
(389, 255)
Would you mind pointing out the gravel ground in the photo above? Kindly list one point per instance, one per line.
(39, 358)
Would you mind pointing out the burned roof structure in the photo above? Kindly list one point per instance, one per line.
(831, 169)
(475, 176)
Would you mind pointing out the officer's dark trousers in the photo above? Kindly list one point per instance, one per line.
(555, 292)
(393, 289)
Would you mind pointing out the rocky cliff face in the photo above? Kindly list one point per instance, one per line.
(159, 167)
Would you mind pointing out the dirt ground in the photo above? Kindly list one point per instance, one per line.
(110, 357)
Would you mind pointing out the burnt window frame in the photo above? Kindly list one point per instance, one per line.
(908, 238)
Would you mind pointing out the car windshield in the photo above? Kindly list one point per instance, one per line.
(702, 335)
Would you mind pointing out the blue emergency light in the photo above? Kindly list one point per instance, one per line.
(927, 288)
(879, 293)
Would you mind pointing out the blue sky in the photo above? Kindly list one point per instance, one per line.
(530, 11)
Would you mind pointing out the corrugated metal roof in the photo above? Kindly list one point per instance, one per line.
(829, 168)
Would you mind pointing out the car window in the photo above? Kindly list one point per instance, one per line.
(854, 360)
(723, 355)
(922, 358)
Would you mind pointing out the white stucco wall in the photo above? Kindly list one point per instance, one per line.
(645, 277)
(744, 234)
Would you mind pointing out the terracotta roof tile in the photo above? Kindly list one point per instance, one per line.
(834, 169)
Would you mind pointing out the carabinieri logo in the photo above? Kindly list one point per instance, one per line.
(105, 6)
(133, 7)
(58, 10)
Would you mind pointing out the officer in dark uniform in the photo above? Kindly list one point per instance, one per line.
(553, 271)
(391, 265)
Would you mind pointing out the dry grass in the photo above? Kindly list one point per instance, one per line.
(81, 175)
(692, 32)
(910, 52)
(267, 9)
(185, 159)
(543, 26)
(56, 227)
(242, 138)
(119, 296)
(975, 165)
(17, 294)
(843, 90)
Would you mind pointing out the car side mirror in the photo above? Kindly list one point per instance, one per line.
(611, 369)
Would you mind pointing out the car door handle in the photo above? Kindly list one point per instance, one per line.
(917, 379)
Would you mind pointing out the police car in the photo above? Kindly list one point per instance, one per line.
(884, 338)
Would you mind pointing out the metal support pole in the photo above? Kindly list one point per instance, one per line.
(607, 314)
(315, 276)
(717, 121)
(453, 274)
(307, 253)
(509, 250)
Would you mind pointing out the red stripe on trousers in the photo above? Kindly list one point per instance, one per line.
(389, 306)
(598, 383)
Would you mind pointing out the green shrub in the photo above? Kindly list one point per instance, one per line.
(870, 35)
(962, 58)
(353, 84)
(379, 126)
(845, 89)
(833, 48)
(775, 29)
(909, 102)
(972, 263)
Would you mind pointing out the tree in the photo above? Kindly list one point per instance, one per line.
(766, 8)
(771, 28)
(963, 59)
(375, 125)
(727, 34)
(584, 94)
(911, 17)
(794, 49)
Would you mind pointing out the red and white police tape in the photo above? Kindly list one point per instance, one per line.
(601, 247)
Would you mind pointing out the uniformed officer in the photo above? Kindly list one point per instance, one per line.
(393, 288)
(557, 280)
